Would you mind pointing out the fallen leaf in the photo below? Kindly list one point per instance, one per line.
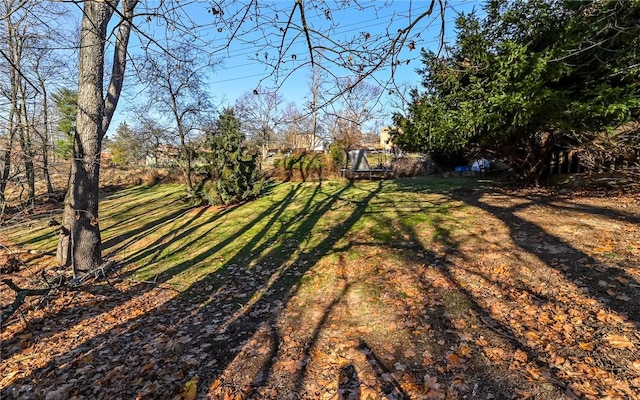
(495, 354)
(215, 384)
(586, 346)
(291, 366)
(454, 361)
(190, 389)
(532, 336)
(520, 355)
(431, 382)
(409, 353)
(459, 323)
(464, 351)
(636, 366)
(611, 318)
(619, 342)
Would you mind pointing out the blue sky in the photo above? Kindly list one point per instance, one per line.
(238, 73)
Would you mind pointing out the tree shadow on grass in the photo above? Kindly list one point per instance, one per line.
(579, 272)
(561, 203)
(287, 270)
(447, 371)
(201, 331)
(111, 247)
(580, 268)
(186, 219)
(482, 377)
(266, 218)
(196, 220)
(441, 340)
(115, 246)
(126, 212)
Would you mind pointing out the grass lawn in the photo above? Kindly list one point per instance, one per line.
(415, 288)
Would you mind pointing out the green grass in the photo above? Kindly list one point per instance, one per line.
(158, 236)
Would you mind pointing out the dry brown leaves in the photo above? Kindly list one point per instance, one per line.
(523, 305)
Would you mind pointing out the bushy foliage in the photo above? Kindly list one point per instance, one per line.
(303, 166)
(128, 147)
(230, 174)
(528, 77)
(337, 155)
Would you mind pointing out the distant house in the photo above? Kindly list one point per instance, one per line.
(385, 138)
(321, 147)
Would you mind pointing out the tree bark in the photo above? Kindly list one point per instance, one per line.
(26, 148)
(44, 135)
(79, 241)
(6, 158)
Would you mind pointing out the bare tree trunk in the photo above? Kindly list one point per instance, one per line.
(45, 163)
(27, 159)
(184, 159)
(79, 241)
(26, 147)
(44, 135)
(6, 158)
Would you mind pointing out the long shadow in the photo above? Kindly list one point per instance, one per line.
(128, 237)
(272, 213)
(124, 216)
(554, 201)
(137, 197)
(45, 235)
(76, 315)
(287, 286)
(391, 387)
(186, 228)
(445, 335)
(48, 232)
(306, 353)
(237, 298)
(442, 323)
(84, 312)
(517, 225)
(348, 383)
(581, 270)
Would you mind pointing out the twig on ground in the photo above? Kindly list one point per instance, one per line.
(98, 272)
(21, 295)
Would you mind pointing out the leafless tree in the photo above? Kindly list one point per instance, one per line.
(79, 243)
(176, 88)
(296, 130)
(311, 34)
(316, 89)
(260, 115)
(272, 28)
(356, 108)
(31, 34)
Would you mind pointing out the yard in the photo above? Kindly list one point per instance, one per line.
(416, 288)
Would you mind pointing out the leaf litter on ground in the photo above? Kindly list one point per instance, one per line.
(415, 292)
